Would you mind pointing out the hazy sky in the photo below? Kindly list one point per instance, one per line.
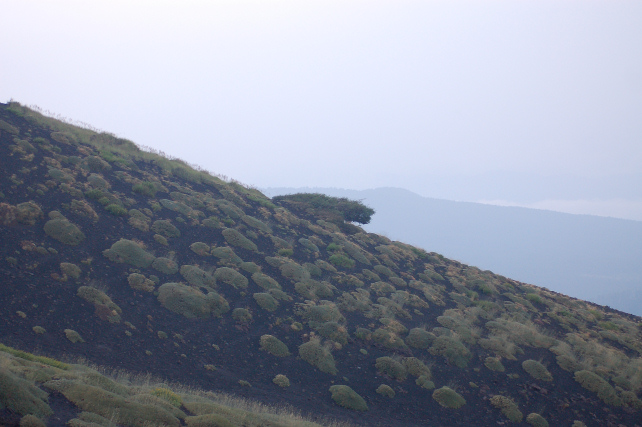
(523, 102)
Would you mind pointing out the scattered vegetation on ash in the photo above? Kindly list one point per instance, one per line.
(204, 302)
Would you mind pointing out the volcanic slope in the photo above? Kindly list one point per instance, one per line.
(117, 257)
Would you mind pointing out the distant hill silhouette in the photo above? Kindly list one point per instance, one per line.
(590, 257)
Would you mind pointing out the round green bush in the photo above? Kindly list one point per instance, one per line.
(494, 364)
(165, 265)
(416, 367)
(536, 420)
(281, 380)
(342, 261)
(388, 339)
(161, 239)
(537, 370)
(116, 209)
(313, 290)
(265, 281)
(242, 315)
(424, 381)
(250, 267)
(308, 245)
(73, 336)
(390, 367)
(386, 390)
(165, 228)
(234, 238)
(231, 277)
(382, 269)
(333, 331)
(599, 385)
(256, 223)
(200, 248)
(191, 302)
(274, 346)
(420, 338)
(318, 356)
(448, 398)
(348, 398)
(28, 213)
(71, 270)
(508, 408)
(266, 301)
(197, 277)
(61, 229)
(127, 251)
(226, 255)
(451, 349)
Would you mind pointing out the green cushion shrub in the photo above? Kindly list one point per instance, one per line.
(392, 368)
(61, 229)
(197, 277)
(448, 398)
(536, 420)
(348, 398)
(537, 370)
(341, 261)
(452, 350)
(200, 248)
(333, 331)
(256, 223)
(127, 251)
(385, 390)
(165, 228)
(265, 281)
(494, 364)
(165, 265)
(250, 267)
(231, 277)
(599, 385)
(388, 339)
(234, 238)
(281, 380)
(226, 255)
(266, 301)
(318, 356)
(508, 408)
(274, 346)
(191, 302)
(242, 315)
(420, 338)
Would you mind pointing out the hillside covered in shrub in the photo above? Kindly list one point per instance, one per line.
(140, 290)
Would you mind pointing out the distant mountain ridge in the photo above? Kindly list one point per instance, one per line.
(585, 256)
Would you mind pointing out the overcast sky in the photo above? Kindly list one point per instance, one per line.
(516, 102)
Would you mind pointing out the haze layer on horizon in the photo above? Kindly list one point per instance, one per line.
(533, 103)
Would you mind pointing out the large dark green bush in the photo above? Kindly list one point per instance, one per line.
(348, 398)
(274, 346)
(231, 277)
(448, 398)
(129, 252)
(388, 366)
(165, 228)
(234, 238)
(61, 229)
(599, 385)
(319, 356)
(343, 208)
